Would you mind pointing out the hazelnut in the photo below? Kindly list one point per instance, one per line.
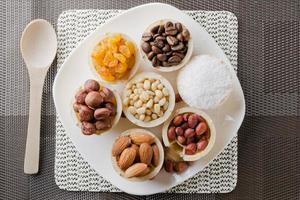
(80, 96)
(85, 113)
(88, 128)
(91, 85)
(102, 113)
(93, 99)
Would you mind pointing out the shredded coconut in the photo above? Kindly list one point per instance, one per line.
(204, 82)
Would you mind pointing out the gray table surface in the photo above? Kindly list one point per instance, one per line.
(269, 71)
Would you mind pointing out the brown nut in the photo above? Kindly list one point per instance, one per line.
(190, 149)
(91, 85)
(180, 166)
(145, 153)
(80, 96)
(171, 133)
(185, 116)
(201, 128)
(190, 140)
(146, 36)
(135, 170)
(201, 145)
(169, 166)
(145, 172)
(193, 120)
(177, 120)
(179, 131)
(189, 133)
(127, 158)
(139, 138)
(102, 124)
(88, 128)
(111, 107)
(93, 99)
(108, 95)
(102, 113)
(181, 139)
(85, 113)
(186, 34)
(155, 158)
(146, 47)
(137, 156)
(120, 144)
(184, 126)
(76, 106)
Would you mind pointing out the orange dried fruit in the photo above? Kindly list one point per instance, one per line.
(125, 51)
(113, 57)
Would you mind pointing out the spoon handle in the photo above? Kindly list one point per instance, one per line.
(31, 160)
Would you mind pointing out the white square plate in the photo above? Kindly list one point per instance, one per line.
(97, 149)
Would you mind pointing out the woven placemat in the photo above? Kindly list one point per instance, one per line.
(73, 173)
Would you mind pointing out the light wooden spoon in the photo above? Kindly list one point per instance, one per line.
(38, 48)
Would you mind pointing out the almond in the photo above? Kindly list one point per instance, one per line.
(120, 144)
(135, 170)
(145, 172)
(136, 148)
(155, 158)
(146, 153)
(127, 158)
(139, 138)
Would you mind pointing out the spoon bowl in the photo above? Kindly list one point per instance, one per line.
(38, 44)
(38, 47)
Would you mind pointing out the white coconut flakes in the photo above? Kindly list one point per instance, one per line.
(205, 82)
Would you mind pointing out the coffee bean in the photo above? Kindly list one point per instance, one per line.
(166, 64)
(186, 34)
(168, 24)
(166, 44)
(174, 60)
(159, 43)
(156, 49)
(161, 57)
(181, 55)
(178, 27)
(169, 53)
(183, 51)
(154, 29)
(180, 37)
(166, 48)
(161, 29)
(155, 36)
(172, 40)
(171, 31)
(150, 55)
(155, 61)
(146, 47)
(147, 36)
(160, 38)
(178, 47)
